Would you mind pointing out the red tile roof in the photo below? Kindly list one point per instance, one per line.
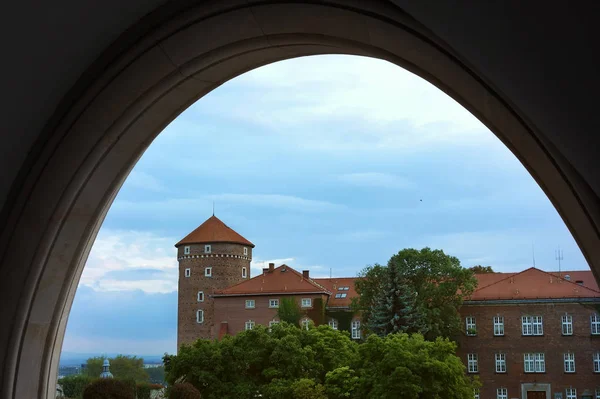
(213, 230)
(532, 284)
(585, 276)
(282, 280)
(334, 284)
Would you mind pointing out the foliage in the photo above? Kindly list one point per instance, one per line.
(317, 313)
(319, 363)
(143, 390)
(289, 311)
(183, 390)
(109, 388)
(438, 280)
(156, 375)
(74, 385)
(343, 317)
(121, 367)
(478, 269)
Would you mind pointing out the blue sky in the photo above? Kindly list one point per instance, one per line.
(324, 163)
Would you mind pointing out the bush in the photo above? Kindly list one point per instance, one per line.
(74, 385)
(184, 391)
(108, 388)
(143, 391)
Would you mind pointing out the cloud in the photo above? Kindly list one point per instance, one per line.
(145, 181)
(374, 179)
(289, 202)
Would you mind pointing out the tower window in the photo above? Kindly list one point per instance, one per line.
(208, 272)
(186, 250)
(200, 296)
(199, 316)
(188, 272)
(207, 249)
(245, 251)
(244, 273)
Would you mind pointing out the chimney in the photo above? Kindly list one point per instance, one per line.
(271, 267)
(265, 270)
(305, 274)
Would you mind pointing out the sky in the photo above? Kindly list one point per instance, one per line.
(326, 163)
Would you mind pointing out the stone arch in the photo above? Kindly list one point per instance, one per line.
(148, 77)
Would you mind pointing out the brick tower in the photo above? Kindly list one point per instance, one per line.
(211, 257)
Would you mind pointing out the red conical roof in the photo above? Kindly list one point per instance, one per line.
(214, 230)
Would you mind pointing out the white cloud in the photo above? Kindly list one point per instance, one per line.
(130, 250)
(375, 179)
(144, 181)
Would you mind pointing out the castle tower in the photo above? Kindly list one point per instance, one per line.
(212, 257)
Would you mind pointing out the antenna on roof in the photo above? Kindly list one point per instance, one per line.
(213, 208)
(558, 255)
(533, 253)
(330, 272)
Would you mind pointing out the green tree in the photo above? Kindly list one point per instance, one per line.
(438, 281)
(341, 383)
(156, 374)
(289, 311)
(121, 367)
(478, 269)
(74, 385)
(305, 388)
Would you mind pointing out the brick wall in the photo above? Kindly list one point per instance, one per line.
(553, 344)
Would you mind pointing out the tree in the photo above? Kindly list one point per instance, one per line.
(73, 385)
(436, 280)
(121, 367)
(156, 374)
(478, 269)
(289, 311)
(105, 388)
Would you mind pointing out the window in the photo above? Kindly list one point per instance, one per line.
(567, 277)
(341, 295)
(501, 393)
(595, 324)
(597, 393)
(534, 363)
(249, 325)
(273, 303)
(186, 250)
(343, 288)
(244, 273)
(245, 251)
(305, 323)
(472, 365)
(250, 303)
(571, 393)
(188, 272)
(569, 362)
(306, 302)
(500, 363)
(200, 316)
(208, 272)
(470, 326)
(200, 296)
(499, 325)
(597, 362)
(356, 329)
(532, 325)
(579, 282)
(207, 249)
(476, 393)
(333, 323)
(567, 325)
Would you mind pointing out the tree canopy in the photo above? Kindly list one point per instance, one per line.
(478, 269)
(289, 311)
(121, 367)
(319, 363)
(419, 291)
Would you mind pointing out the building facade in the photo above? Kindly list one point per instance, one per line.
(528, 335)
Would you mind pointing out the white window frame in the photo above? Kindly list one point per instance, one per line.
(339, 296)
(534, 363)
(500, 362)
(305, 323)
(208, 249)
(306, 302)
(595, 323)
(355, 328)
(333, 323)
(245, 251)
(274, 303)
(250, 303)
(475, 393)
(199, 316)
(571, 393)
(596, 361)
(470, 323)
(187, 272)
(567, 324)
(249, 325)
(208, 271)
(200, 296)
(498, 326)
(501, 393)
(186, 250)
(244, 272)
(532, 325)
(597, 393)
(569, 359)
(472, 363)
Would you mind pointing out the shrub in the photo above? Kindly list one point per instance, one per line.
(183, 391)
(108, 388)
(143, 391)
(74, 385)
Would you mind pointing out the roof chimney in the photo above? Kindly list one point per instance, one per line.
(271, 267)
(265, 270)
(305, 274)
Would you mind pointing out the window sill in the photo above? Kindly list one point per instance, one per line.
(540, 335)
